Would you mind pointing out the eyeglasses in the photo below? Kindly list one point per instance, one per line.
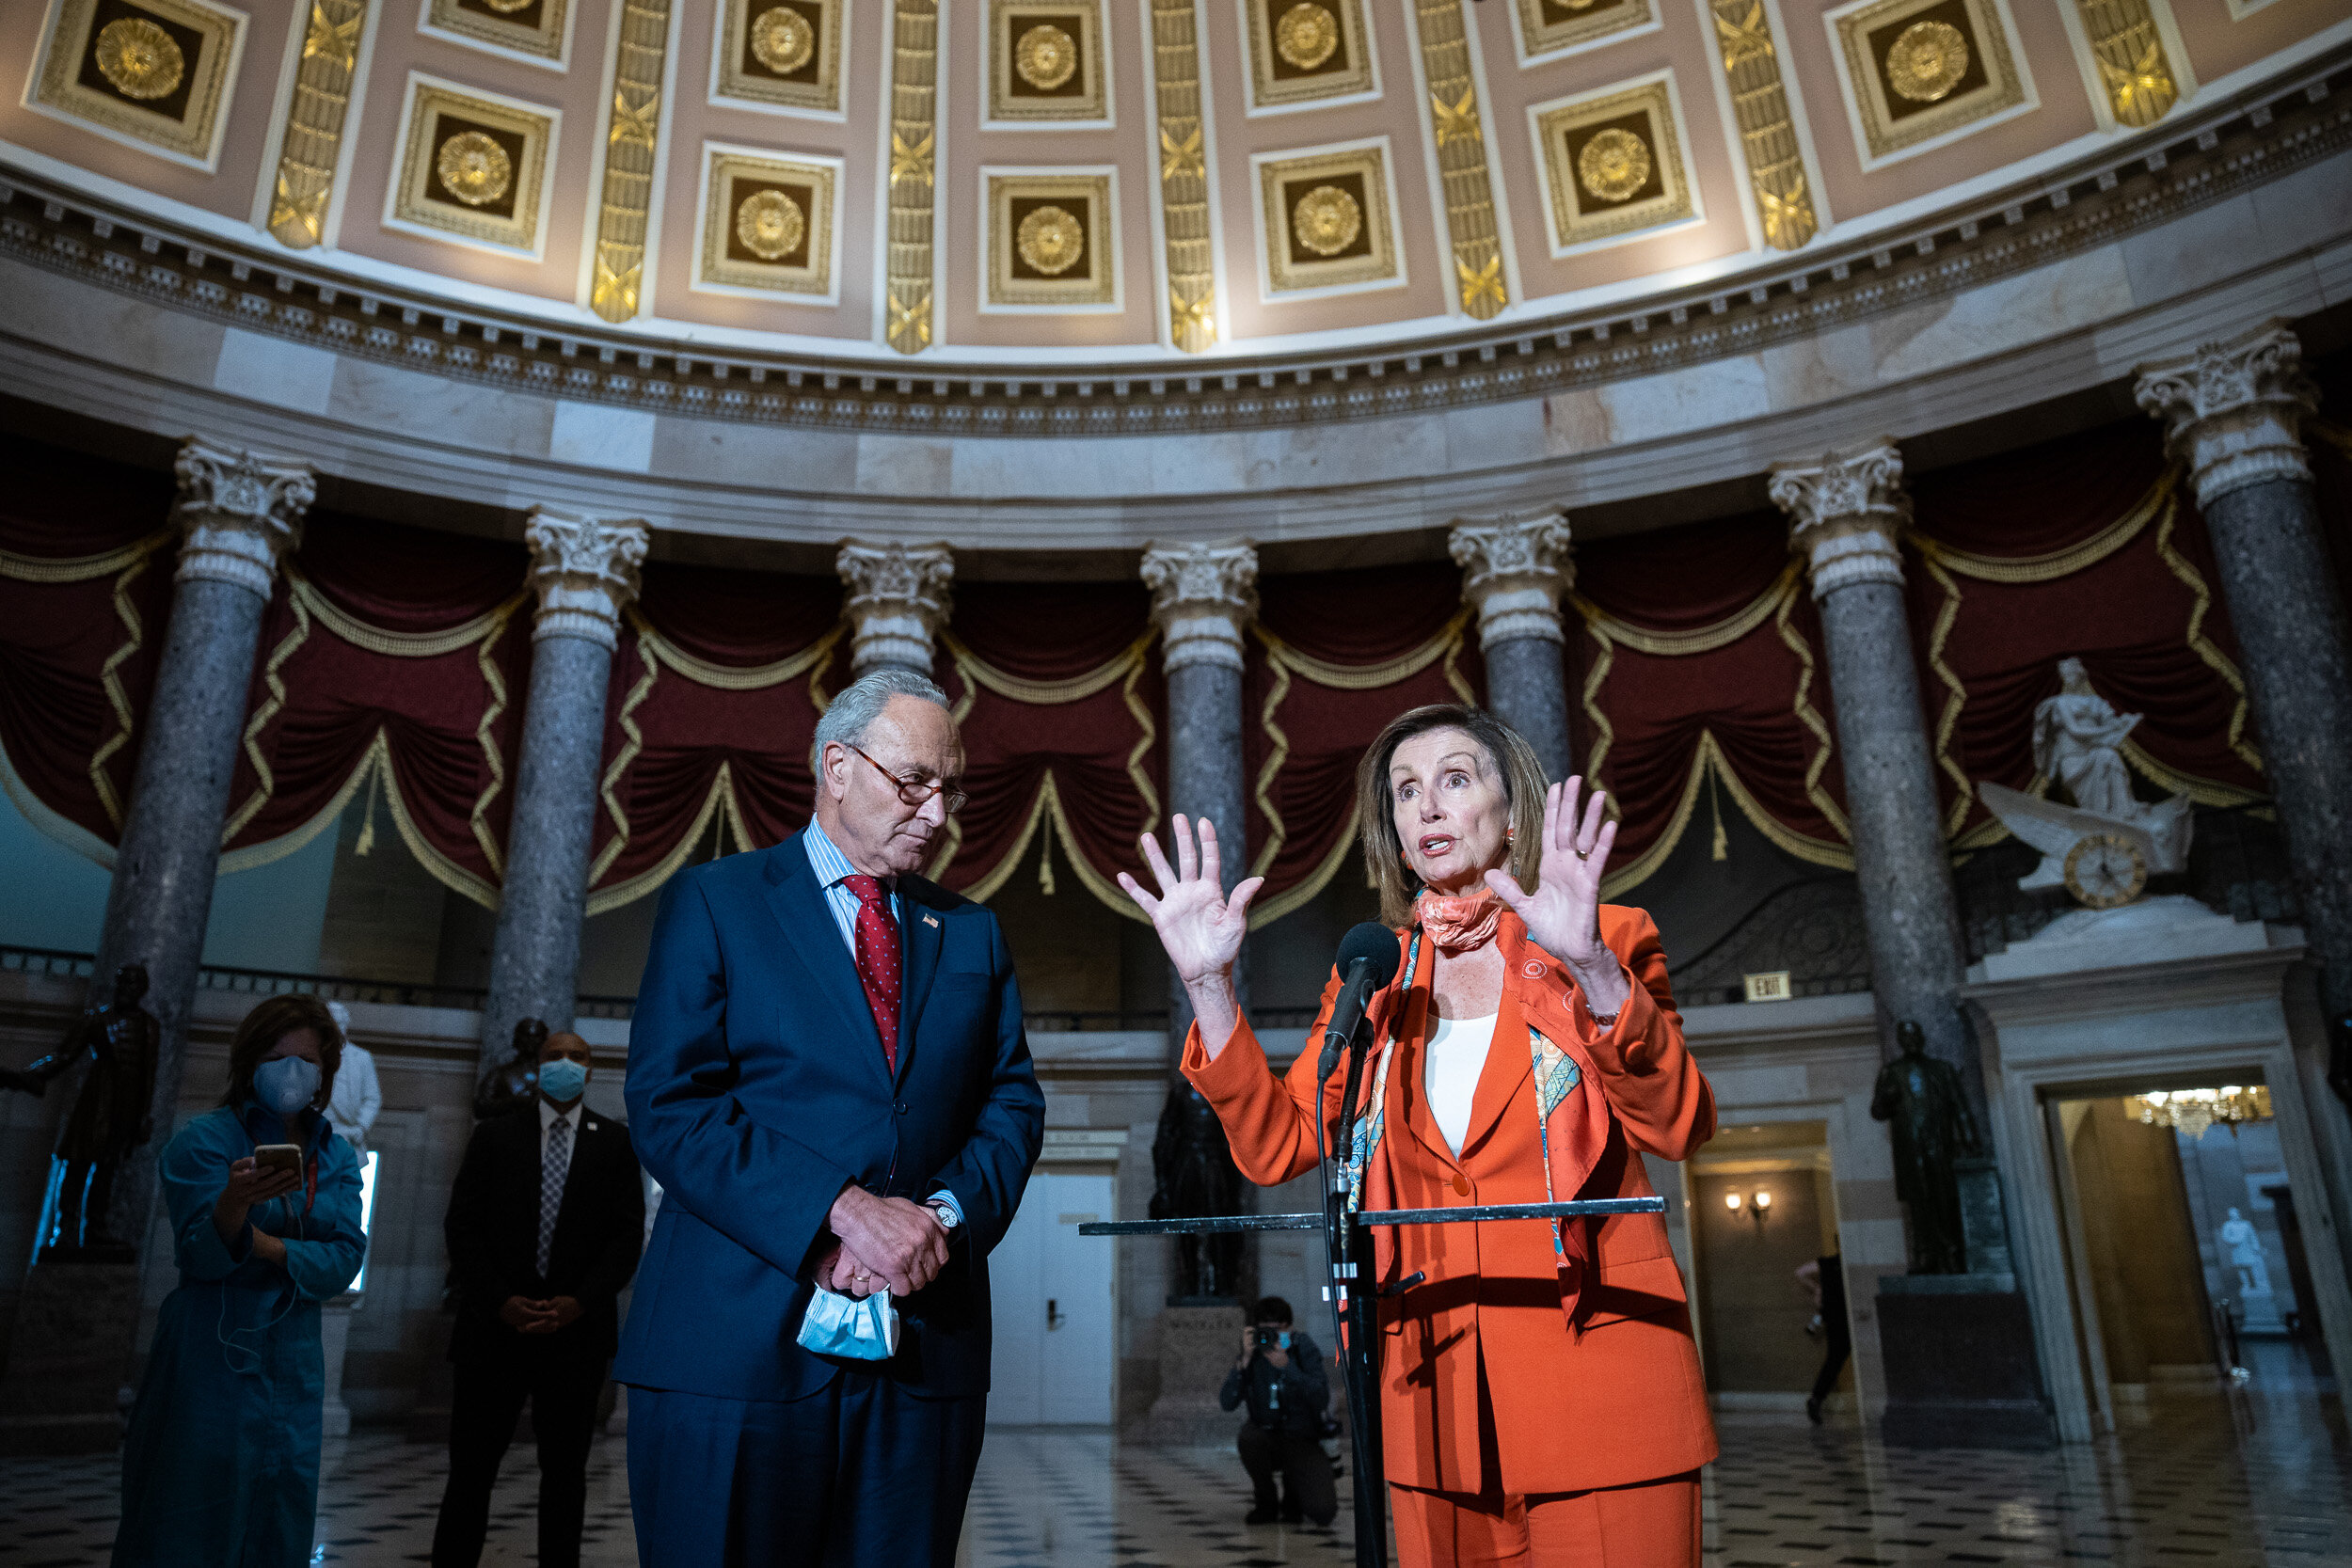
(914, 794)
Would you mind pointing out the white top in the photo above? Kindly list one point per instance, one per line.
(358, 1096)
(1455, 1056)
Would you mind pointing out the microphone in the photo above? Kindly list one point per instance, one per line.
(1367, 962)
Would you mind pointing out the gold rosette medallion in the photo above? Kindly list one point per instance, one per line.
(138, 58)
(474, 168)
(1614, 165)
(1306, 35)
(770, 224)
(782, 39)
(1326, 220)
(1046, 57)
(1927, 61)
(1050, 241)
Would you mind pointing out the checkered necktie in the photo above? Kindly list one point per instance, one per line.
(878, 960)
(554, 1165)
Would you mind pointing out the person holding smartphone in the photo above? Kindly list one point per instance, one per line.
(221, 1462)
(1281, 1375)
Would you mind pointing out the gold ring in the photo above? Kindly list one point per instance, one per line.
(1580, 854)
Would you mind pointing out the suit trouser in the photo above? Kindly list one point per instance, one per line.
(486, 1403)
(1306, 1471)
(858, 1475)
(1653, 1524)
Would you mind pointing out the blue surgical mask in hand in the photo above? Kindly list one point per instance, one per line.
(286, 1084)
(561, 1079)
(836, 1325)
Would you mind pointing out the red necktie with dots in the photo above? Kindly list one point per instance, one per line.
(878, 960)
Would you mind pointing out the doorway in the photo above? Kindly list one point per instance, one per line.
(2186, 1258)
(1763, 1207)
(1054, 1302)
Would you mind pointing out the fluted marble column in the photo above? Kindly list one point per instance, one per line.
(1846, 513)
(241, 514)
(1514, 570)
(2233, 413)
(585, 572)
(898, 599)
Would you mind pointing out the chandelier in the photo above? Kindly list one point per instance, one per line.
(2191, 1110)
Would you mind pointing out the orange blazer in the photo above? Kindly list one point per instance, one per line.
(1582, 1355)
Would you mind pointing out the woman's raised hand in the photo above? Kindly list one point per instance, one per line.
(1200, 927)
(1563, 914)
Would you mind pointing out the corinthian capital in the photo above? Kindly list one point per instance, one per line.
(1845, 514)
(1202, 596)
(585, 570)
(898, 599)
(241, 512)
(1514, 569)
(2233, 412)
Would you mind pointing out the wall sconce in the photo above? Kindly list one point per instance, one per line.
(1731, 1200)
(1755, 1207)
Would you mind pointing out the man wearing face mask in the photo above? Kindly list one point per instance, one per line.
(1281, 1375)
(544, 1224)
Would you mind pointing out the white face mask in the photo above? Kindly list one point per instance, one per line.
(286, 1084)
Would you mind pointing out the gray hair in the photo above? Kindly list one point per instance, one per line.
(856, 706)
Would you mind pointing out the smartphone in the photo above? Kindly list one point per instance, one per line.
(285, 1156)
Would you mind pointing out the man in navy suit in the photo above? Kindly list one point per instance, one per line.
(828, 1078)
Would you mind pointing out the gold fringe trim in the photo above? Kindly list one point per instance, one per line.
(1148, 734)
(1707, 760)
(633, 742)
(1370, 677)
(718, 798)
(722, 677)
(1956, 694)
(109, 673)
(979, 672)
(2217, 661)
(1304, 892)
(1277, 831)
(1806, 715)
(81, 568)
(271, 706)
(479, 820)
(2205, 792)
(396, 644)
(1684, 645)
(1604, 733)
(2157, 501)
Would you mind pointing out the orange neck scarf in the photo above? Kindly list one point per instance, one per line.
(1461, 924)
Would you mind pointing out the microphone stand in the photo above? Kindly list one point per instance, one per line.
(1355, 1315)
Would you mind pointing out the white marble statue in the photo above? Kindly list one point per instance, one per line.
(2245, 1254)
(2077, 744)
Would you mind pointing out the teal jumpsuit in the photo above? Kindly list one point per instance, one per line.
(220, 1466)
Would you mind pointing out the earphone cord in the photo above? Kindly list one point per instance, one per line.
(222, 1332)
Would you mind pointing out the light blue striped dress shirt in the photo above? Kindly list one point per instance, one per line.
(831, 867)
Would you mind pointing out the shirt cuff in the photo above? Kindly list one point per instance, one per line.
(943, 1196)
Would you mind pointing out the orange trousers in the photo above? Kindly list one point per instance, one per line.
(1652, 1525)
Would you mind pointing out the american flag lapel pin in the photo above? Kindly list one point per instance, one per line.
(931, 920)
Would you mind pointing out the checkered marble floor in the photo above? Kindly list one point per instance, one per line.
(2253, 1480)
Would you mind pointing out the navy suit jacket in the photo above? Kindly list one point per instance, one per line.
(757, 1090)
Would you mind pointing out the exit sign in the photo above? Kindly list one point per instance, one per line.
(1769, 988)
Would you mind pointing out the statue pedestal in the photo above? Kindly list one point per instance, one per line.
(1197, 1347)
(1958, 1353)
(77, 1329)
(334, 1338)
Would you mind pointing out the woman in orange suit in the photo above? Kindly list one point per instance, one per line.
(1542, 1402)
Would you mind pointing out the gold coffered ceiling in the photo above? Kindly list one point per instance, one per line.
(1082, 179)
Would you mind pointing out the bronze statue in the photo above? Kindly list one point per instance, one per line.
(113, 1114)
(517, 1078)
(1925, 1107)
(1194, 1176)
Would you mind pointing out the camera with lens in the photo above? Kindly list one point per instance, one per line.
(1269, 1338)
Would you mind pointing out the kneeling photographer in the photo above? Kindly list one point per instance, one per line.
(1280, 1374)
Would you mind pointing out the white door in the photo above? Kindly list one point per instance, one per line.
(1052, 1301)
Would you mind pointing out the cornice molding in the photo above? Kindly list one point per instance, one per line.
(2187, 161)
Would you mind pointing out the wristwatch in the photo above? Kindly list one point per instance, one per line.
(945, 1213)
